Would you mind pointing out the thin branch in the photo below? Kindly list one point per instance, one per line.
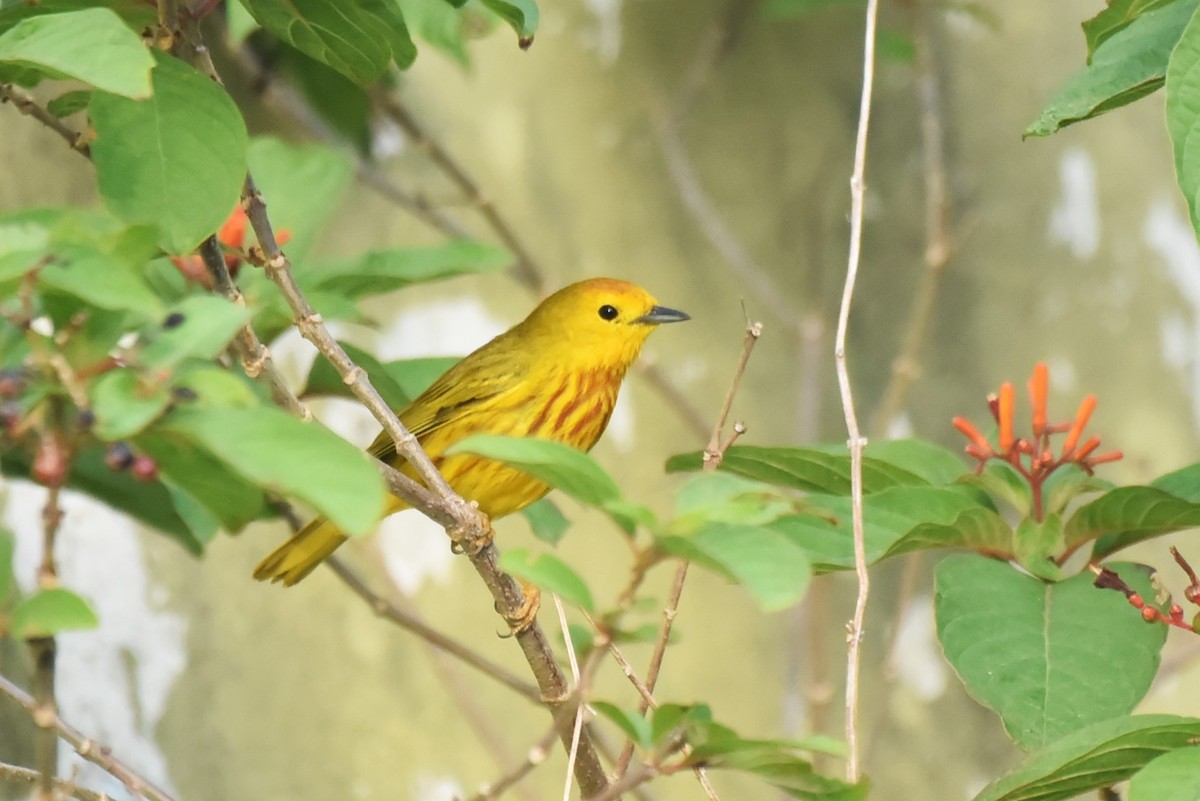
(715, 451)
(24, 102)
(856, 441)
(525, 269)
(15, 774)
(86, 747)
(578, 728)
(411, 623)
(45, 649)
(533, 758)
(467, 527)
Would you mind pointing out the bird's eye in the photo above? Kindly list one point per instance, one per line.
(608, 312)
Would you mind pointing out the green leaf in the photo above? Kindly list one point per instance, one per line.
(1127, 515)
(1001, 481)
(203, 524)
(1183, 108)
(92, 45)
(302, 184)
(232, 501)
(551, 574)
(148, 502)
(773, 568)
(1131, 64)
(1174, 776)
(521, 15)
(282, 454)
(354, 37)
(556, 464)
(827, 469)
(974, 528)
(8, 546)
(1037, 543)
(1098, 755)
(323, 379)
(197, 328)
(100, 280)
(789, 9)
(1048, 658)
(635, 726)
(69, 103)
(380, 271)
(546, 520)
(177, 159)
(49, 612)
(438, 23)
(124, 403)
(780, 762)
(1114, 18)
(416, 375)
(727, 498)
(928, 514)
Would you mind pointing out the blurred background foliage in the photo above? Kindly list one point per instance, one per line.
(703, 149)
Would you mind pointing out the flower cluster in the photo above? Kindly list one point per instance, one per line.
(1034, 457)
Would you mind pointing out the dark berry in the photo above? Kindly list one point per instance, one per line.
(183, 394)
(173, 320)
(12, 383)
(85, 419)
(144, 468)
(119, 456)
(50, 462)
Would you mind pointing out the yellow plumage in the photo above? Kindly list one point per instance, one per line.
(555, 375)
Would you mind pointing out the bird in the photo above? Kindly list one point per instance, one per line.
(555, 375)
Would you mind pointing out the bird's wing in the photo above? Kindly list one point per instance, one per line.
(478, 379)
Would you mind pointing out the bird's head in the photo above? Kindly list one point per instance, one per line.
(597, 323)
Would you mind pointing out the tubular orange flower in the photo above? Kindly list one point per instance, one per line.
(1090, 445)
(968, 429)
(1081, 420)
(1005, 415)
(1110, 456)
(1039, 388)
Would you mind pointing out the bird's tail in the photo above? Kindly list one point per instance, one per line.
(297, 557)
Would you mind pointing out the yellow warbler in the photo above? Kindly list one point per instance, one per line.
(555, 375)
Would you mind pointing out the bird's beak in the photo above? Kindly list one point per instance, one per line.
(661, 314)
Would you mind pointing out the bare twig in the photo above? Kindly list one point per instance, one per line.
(45, 649)
(15, 774)
(856, 441)
(255, 359)
(84, 746)
(24, 102)
(715, 451)
(578, 728)
(533, 758)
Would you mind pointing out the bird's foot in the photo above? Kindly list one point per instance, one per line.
(525, 615)
(470, 544)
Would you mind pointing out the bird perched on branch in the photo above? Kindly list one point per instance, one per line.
(555, 375)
